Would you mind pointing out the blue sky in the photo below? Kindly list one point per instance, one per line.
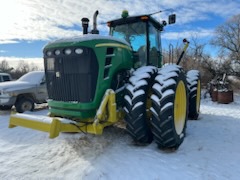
(27, 25)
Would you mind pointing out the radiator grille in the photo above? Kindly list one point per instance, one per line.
(71, 77)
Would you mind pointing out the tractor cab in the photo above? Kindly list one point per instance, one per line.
(143, 34)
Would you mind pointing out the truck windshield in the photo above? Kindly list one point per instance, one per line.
(134, 33)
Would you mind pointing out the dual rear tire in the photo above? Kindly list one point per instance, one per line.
(156, 106)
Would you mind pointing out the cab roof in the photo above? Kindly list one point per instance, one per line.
(133, 19)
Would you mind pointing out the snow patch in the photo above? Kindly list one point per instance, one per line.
(170, 68)
(168, 93)
(142, 75)
(169, 104)
(88, 37)
(138, 93)
(166, 82)
(146, 69)
(170, 75)
(193, 73)
(128, 99)
(194, 89)
(155, 99)
(157, 87)
(137, 105)
(209, 151)
(139, 83)
(130, 88)
(40, 118)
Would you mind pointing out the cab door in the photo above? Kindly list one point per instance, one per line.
(154, 46)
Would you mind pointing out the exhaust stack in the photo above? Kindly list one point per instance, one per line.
(95, 30)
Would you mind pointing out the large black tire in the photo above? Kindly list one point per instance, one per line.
(136, 97)
(169, 107)
(24, 104)
(194, 88)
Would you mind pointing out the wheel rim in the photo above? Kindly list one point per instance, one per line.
(198, 96)
(180, 107)
(27, 106)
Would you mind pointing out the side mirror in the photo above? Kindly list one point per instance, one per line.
(42, 83)
(172, 19)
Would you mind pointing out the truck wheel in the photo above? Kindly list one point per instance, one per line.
(169, 107)
(194, 88)
(24, 104)
(136, 104)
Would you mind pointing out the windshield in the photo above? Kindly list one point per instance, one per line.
(134, 33)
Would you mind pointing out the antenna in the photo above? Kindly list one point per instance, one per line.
(162, 11)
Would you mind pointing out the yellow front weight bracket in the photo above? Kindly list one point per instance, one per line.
(107, 115)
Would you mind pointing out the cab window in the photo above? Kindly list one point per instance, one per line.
(135, 35)
(154, 50)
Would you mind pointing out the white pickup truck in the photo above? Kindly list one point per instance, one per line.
(5, 77)
(24, 92)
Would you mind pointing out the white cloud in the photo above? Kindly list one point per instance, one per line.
(49, 19)
(199, 33)
(8, 42)
(3, 51)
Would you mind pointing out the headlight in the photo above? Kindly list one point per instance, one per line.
(6, 93)
(67, 51)
(78, 51)
(49, 53)
(57, 52)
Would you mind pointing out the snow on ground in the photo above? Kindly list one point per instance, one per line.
(211, 150)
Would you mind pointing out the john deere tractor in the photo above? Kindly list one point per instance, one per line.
(94, 81)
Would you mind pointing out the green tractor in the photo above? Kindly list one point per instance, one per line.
(94, 81)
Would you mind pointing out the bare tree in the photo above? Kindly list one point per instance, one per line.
(4, 66)
(33, 67)
(196, 58)
(228, 38)
(193, 56)
(23, 67)
(171, 54)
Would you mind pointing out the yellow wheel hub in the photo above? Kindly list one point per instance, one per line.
(180, 107)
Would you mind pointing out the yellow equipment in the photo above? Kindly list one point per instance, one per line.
(55, 125)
